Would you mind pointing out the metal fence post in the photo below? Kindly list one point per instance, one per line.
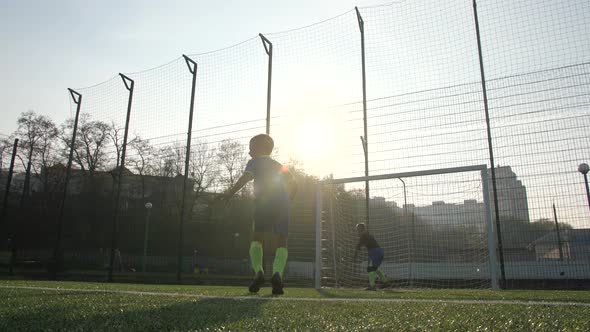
(489, 229)
(9, 179)
(10, 240)
(268, 48)
(129, 84)
(364, 139)
(193, 71)
(57, 253)
(490, 149)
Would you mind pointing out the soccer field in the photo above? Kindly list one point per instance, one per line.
(44, 305)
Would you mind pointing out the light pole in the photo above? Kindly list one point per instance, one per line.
(558, 235)
(584, 168)
(148, 207)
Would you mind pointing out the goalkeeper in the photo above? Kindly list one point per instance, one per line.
(375, 254)
(274, 187)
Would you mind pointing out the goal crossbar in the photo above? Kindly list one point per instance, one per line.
(437, 171)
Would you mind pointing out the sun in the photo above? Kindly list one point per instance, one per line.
(316, 141)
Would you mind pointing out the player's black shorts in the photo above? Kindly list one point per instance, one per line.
(272, 215)
(376, 256)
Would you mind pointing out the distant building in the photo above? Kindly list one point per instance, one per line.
(575, 245)
(512, 204)
(133, 186)
(441, 214)
(512, 195)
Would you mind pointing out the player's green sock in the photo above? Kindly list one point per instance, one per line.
(280, 260)
(381, 275)
(372, 279)
(256, 256)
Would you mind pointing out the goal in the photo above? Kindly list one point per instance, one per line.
(435, 227)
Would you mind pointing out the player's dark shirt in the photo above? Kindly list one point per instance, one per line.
(367, 240)
(269, 178)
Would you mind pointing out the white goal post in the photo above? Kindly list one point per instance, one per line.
(442, 235)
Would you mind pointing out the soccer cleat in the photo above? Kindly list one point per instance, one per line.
(257, 283)
(371, 288)
(277, 284)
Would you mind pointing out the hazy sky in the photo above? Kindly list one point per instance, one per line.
(49, 46)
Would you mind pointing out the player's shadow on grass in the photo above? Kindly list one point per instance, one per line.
(339, 294)
(164, 314)
(182, 314)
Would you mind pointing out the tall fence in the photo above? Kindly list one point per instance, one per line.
(448, 84)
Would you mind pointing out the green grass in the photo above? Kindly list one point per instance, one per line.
(68, 309)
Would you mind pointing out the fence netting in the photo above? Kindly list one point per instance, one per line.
(156, 216)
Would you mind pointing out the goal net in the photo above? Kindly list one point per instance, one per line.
(435, 227)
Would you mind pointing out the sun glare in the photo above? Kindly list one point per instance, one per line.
(311, 129)
(317, 142)
(314, 140)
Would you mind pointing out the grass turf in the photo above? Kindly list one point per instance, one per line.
(36, 309)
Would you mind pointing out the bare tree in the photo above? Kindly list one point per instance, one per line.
(47, 158)
(116, 136)
(231, 157)
(171, 159)
(91, 142)
(142, 159)
(202, 167)
(3, 148)
(169, 166)
(37, 134)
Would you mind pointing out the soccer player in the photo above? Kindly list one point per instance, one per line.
(375, 254)
(274, 187)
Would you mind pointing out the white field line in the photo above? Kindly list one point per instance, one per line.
(303, 299)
